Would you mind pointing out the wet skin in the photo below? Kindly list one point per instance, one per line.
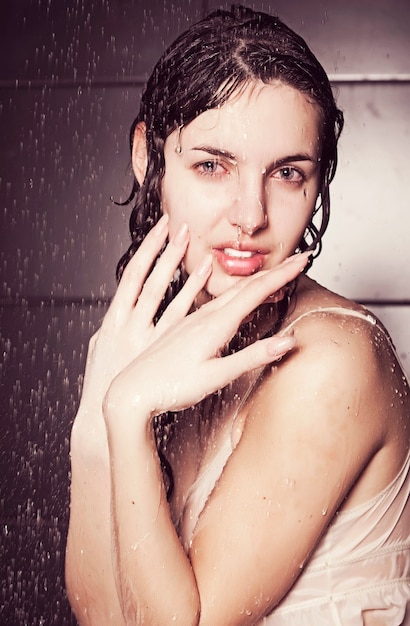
(244, 178)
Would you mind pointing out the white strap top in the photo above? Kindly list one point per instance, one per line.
(359, 574)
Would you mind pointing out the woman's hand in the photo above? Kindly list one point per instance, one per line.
(128, 327)
(182, 366)
(174, 363)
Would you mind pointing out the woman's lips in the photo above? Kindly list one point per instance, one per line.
(239, 262)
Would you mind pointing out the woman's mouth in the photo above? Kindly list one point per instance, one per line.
(239, 262)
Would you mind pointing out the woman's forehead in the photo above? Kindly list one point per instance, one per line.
(257, 115)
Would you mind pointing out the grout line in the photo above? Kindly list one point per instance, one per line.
(48, 301)
(372, 302)
(73, 83)
(139, 81)
(369, 78)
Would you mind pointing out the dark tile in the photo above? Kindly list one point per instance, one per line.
(88, 40)
(44, 351)
(65, 156)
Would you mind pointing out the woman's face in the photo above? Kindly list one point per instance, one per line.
(245, 178)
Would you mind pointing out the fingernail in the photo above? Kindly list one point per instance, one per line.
(162, 225)
(181, 235)
(278, 346)
(205, 266)
(299, 256)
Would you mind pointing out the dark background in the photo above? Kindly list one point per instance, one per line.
(71, 75)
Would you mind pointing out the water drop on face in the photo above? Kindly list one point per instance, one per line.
(324, 512)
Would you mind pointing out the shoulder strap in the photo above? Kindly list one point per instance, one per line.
(338, 310)
(364, 315)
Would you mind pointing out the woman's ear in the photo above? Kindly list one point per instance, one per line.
(139, 152)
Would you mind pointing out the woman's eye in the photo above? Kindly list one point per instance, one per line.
(289, 174)
(210, 168)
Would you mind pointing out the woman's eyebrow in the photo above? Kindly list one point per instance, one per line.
(292, 158)
(218, 152)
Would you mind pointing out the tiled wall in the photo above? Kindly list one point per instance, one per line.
(70, 79)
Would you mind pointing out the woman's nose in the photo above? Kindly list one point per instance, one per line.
(248, 210)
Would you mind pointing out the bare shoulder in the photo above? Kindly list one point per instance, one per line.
(318, 434)
(343, 332)
(342, 382)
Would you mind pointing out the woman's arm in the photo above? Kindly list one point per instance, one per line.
(311, 431)
(101, 589)
(126, 331)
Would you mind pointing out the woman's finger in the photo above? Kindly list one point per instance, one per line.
(223, 370)
(277, 278)
(136, 271)
(158, 281)
(245, 296)
(183, 301)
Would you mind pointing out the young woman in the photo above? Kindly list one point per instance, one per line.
(241, 452)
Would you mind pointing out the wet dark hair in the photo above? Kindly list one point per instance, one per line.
(201, 70)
